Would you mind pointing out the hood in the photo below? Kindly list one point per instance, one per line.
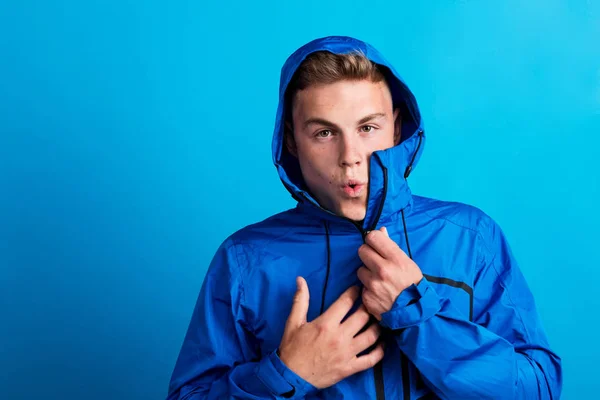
(388, 170)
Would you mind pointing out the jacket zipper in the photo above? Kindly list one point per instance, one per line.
(405, 377)
(378, 369)
(412, 161)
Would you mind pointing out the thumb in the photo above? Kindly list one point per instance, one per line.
(384, 230)
(299, 311)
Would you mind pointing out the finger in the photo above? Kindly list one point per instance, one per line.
(383, 245)
(371, 258)
(340, 308)
(368, 360)
(384, 230)
(355, 322)
(370, 301)
(365, 275)
(366, 339)
(299, 310)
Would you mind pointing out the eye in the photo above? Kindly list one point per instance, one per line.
(367, 128)
(324, 134)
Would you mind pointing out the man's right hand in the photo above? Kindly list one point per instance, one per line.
(324, 351)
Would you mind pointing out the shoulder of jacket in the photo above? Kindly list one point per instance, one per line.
(265, 230)
(460, 214)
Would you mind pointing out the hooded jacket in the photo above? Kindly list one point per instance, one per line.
(468, 330)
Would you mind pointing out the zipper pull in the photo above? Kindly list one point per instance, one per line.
(409, 169)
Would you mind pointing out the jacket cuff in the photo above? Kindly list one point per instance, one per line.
(416, 304)
(280, 380)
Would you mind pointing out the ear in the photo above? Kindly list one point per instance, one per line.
(397, 126)
(288, 137)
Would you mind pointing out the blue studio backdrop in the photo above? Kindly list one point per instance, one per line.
(135, 136)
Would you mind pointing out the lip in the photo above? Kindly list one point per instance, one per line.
(353, 188)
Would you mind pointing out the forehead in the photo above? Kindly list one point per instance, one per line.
(343, 99)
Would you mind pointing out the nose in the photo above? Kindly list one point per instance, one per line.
(350, 154)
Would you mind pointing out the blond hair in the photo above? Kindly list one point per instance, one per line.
(324, 67)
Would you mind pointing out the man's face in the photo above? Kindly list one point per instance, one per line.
(336, 129)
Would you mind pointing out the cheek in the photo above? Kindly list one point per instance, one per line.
(389, 139)
(322, 171)
(320, 168)
(384, 141)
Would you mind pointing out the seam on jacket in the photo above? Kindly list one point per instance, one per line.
(233, 246)
(457, 285)
(453, 222)
(476, 231)
(236, 247)
(492, 264)
(268, 242)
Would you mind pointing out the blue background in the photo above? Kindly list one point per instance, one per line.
(135, 136)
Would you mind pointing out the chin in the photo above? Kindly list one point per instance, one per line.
(353, 213)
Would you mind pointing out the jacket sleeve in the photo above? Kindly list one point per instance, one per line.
(503, 354)
(220, 357)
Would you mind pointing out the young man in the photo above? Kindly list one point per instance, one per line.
(397, 296)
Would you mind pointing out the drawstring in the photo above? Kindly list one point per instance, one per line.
(328, 266)
(403, 358)
(405, 366)
(328, 242)
(378, 369)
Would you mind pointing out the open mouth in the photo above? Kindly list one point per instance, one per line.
(353, 188)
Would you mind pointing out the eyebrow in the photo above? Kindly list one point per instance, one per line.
(322, 121)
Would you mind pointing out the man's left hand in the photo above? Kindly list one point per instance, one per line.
(387, 271)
